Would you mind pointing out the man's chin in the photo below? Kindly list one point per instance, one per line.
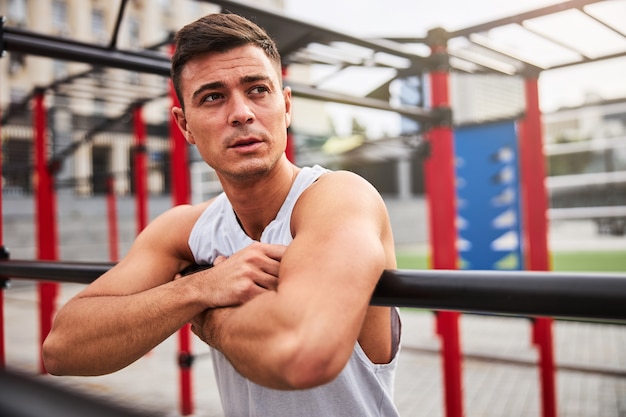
(247, 172)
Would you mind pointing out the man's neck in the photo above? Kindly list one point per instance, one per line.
(257, 204)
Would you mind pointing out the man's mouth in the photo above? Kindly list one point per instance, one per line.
(245, 143)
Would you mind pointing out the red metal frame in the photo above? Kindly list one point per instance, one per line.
(141, 174)
(534, 212)
(2, 353)
(181, 194)
(290, 149)
(439, 184)
(45, 209)
(112, 219)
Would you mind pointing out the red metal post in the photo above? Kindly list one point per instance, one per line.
(290, 149)
(112, 219)
(47, 240)
(441, 197)
(534, 212)
(141, 173)
(4, 253)
(181, 194)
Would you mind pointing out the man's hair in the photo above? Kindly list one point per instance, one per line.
(217, 33)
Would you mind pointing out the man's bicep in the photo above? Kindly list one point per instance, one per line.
(338, 242)
(154, 258)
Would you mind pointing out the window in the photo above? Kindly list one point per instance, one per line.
(98, 27)
(16, 11)
(59, 18)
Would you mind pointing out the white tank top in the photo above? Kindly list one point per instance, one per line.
(362, 389)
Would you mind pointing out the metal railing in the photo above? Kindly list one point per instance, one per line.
(522, 293)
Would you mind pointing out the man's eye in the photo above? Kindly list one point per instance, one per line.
(211, 97)
(259, 89)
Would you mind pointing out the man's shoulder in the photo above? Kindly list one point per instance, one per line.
(183, 214)
(339, 191)
(346, 181)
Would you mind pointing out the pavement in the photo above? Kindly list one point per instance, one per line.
(500, 373)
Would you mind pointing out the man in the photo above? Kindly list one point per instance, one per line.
(297, 253)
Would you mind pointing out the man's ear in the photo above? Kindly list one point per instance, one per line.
(181, 121)
(287, 96)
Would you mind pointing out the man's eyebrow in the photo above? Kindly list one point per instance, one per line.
(254, 78)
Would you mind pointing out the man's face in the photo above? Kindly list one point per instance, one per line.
(235, 111)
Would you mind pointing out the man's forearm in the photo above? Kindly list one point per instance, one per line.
(114, 331)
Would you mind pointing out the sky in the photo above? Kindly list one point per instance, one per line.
(387, 18)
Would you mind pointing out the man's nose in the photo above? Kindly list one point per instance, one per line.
(240, 111)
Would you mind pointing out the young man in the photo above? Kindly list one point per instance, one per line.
(297, 253)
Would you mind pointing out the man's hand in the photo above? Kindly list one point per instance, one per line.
(236, 280)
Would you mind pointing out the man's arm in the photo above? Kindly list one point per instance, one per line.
(308, 327)
(137, 304)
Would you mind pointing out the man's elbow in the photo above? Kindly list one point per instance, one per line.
(312, 369)
(52, 358)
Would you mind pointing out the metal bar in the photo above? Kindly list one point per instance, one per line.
(586, 61)
(54, 271)
(415, 113)
(558, 42)
(140, 176)
(111, 201)
(519, 293)
(181, 194)
(604, 24)
(4, 254)
(440, 189)
(59, 48)
(519, 18)
(118, 23)
(26, 396)
(264, 17)
(525, 293)
(534, 208)
(46, 226)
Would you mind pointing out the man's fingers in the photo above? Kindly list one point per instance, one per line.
(219, 260)
(275, 251)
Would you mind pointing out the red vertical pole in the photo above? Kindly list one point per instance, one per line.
(112, 219)
(441, 196)
(534, 212)
(181, 194)
(290, 149)
(46, 217)
(141, 174)
(3, 254)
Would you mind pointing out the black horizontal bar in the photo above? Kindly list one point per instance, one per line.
(56, 271)
(563, 295)
(26, 396)
(525, 293)
(416, 113)
(32, 43)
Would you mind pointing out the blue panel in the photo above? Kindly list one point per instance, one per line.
(488, 194)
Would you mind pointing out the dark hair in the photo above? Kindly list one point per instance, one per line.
(220, 32)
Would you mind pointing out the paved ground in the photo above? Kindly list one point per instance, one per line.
(499, 371)
(500, 374)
